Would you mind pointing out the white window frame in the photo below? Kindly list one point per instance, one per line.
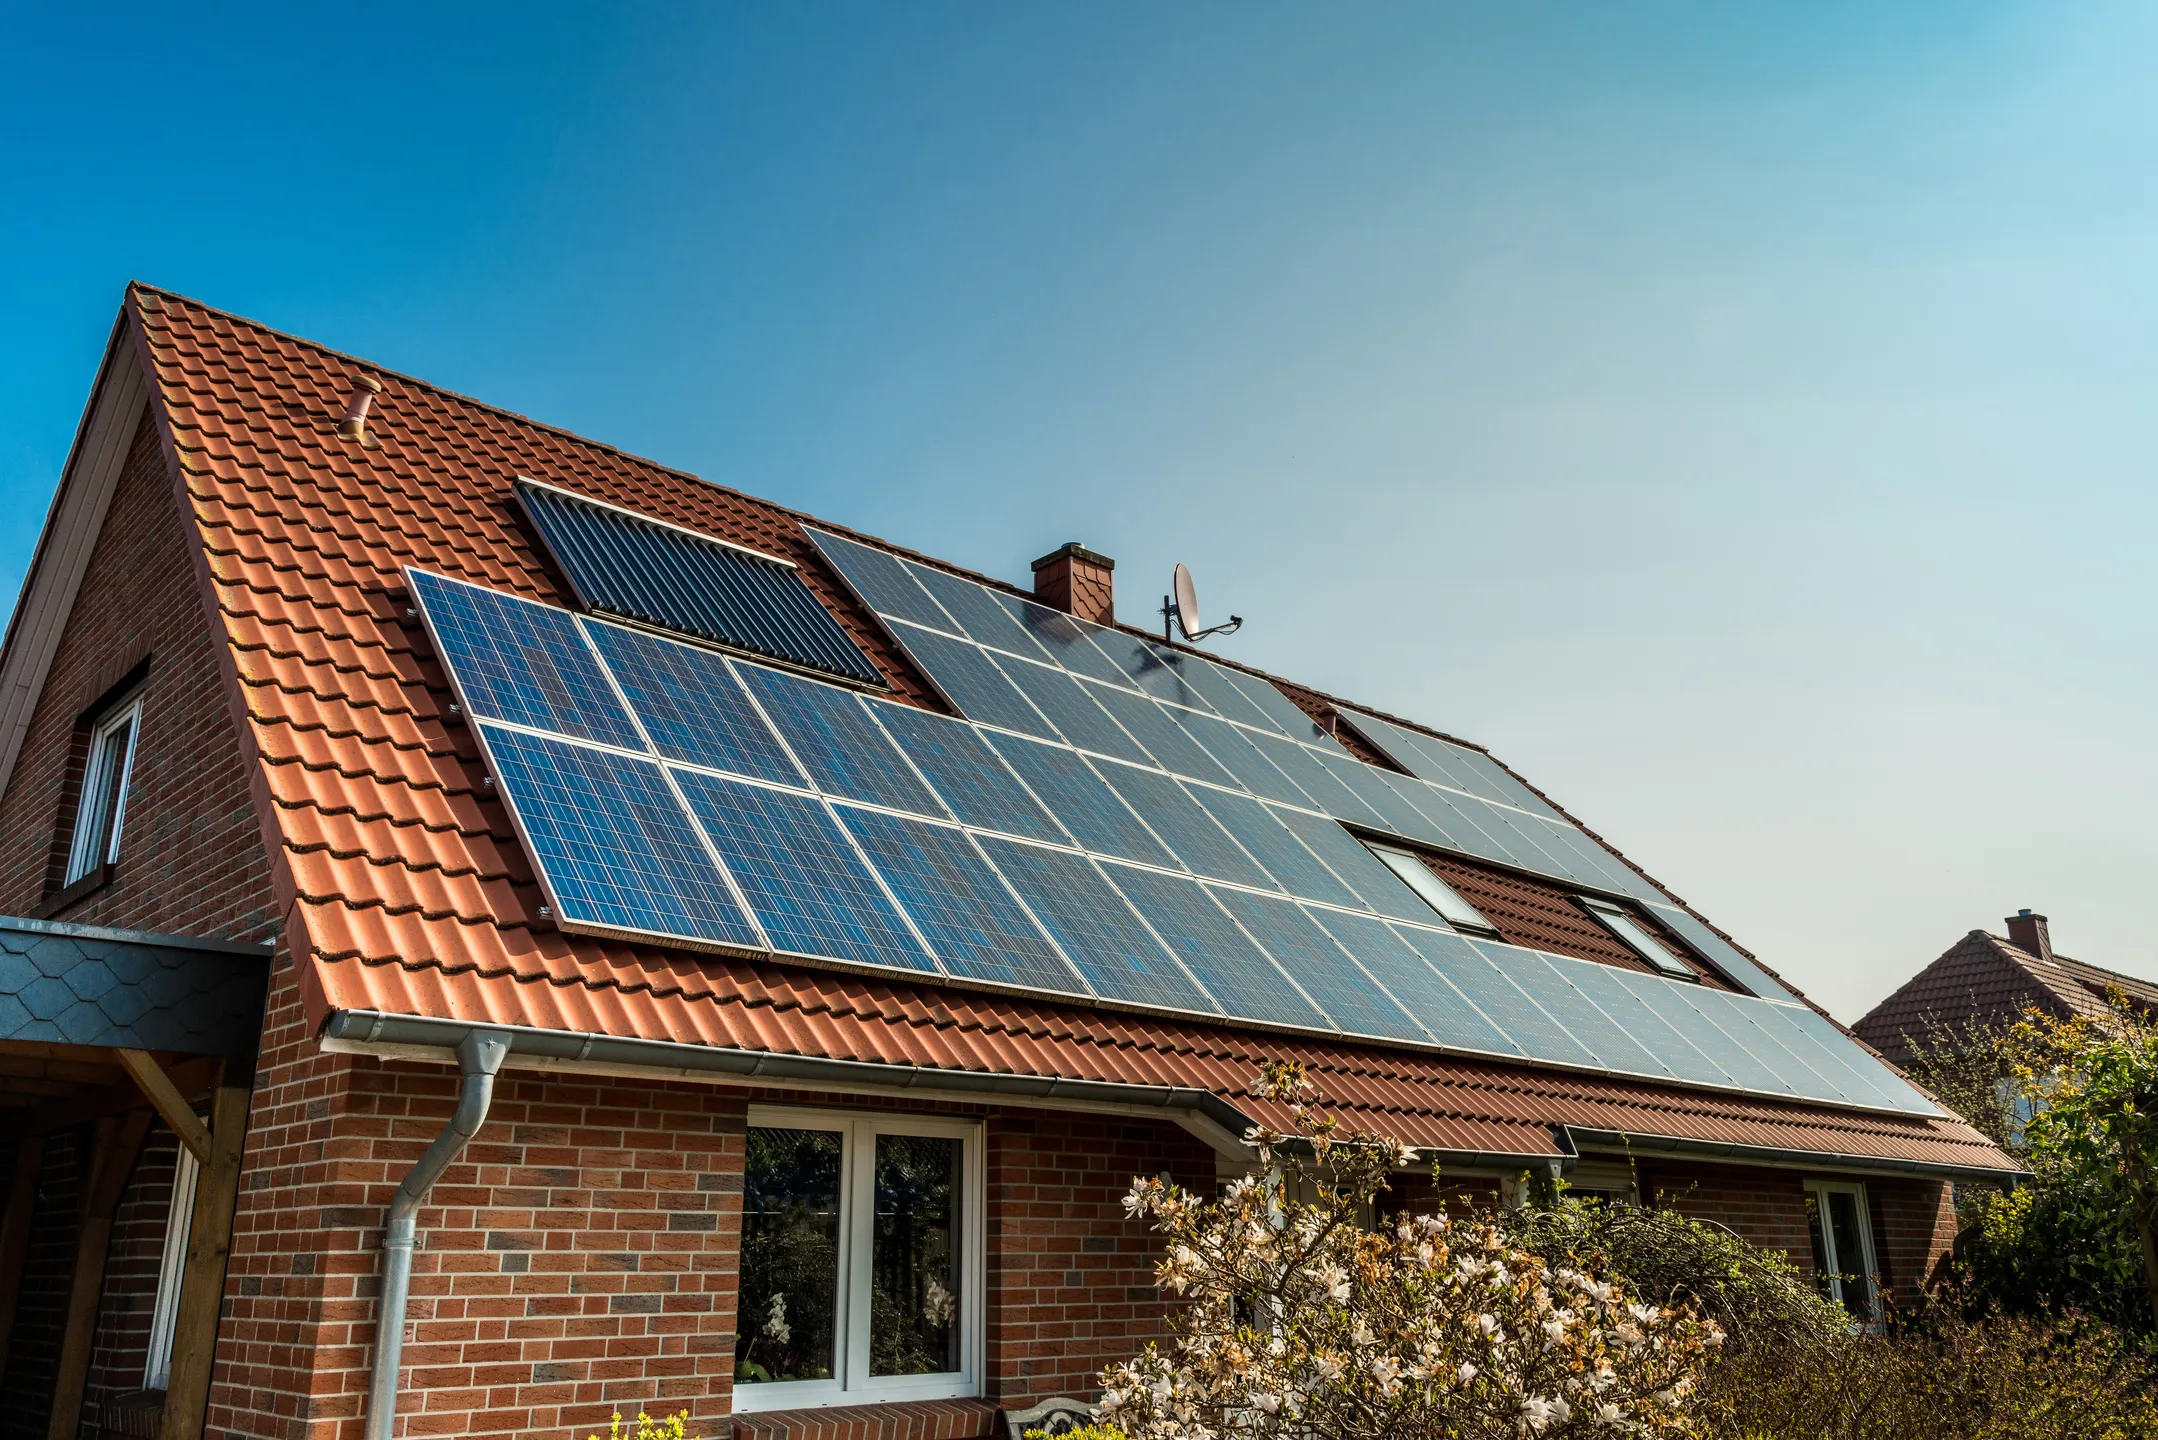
(853, 1384)
(1635, 937)
(171, 1269)
(97, 835)
(1839, 1265)
(1440, 896)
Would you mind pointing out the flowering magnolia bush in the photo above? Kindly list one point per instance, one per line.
(1297, 1321)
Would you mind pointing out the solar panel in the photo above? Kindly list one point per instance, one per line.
(1067, 704)
(1064, 638)
(691, 705)
(1866, 1071)
(1435, 1002)
(1234, 970)
(520, 661)
(1326, 789)
(837, 742)
(804, 880)
(970, 919)
(1495, 780)
(626, 564)
(612, 844)
(1286, 714)
(1226, 743)
(882, 582)
(1076, 796)
(1291, 864)
(1148, 667)
(1504, 1003)
(1670, 1046)
(1718, 951)
(1551, 982)
(1118, 956)
(976, 609)
(1363, 872)
(1393, 809)
(1340, 986)
(973, 683)
(1147, 722)
(1668, 998)
(1188, 831)
(1745, 1018)
(1214, 683)
(974, 784)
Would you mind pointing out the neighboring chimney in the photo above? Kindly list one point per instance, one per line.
(1075, 580)
(354, 426)
(2027, 932)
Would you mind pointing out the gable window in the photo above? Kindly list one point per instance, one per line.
(103, 805)
(861, 1260)
(1843, 1263)
(1430, 889)
(1635, 937)
(179, 1218)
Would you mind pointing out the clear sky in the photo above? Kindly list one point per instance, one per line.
(1740, 418)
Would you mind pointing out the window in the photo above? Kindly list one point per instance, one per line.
(179, 1218)
(1635, 937)
(1430, 889)
(104, 791)
(861, 1271)
(1843, 1245)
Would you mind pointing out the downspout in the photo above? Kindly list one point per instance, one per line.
(479, 1056)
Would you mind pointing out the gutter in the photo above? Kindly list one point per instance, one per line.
(1571, 1138)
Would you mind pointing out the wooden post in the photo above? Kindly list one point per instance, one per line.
(119, 1138)
(15, 1232)
(202, 1281)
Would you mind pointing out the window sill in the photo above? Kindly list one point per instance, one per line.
(67, 895)
(900, 1420)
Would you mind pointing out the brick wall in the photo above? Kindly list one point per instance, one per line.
(131, 1266)
(1914, 1225)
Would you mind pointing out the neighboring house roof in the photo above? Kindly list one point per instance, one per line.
(407, 890)
(1992, 981)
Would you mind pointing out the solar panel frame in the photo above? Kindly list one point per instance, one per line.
(1191, 834)
(974, 923)
(690, 704)
(657, 878)
(1072, 710)
(813, 893)
(968, 776)
(1240, 976)
(1327, 973)
(832, 736)
(880, 580)
(520, 661)
(972, 682)
(1098, 931)
(1081, 801)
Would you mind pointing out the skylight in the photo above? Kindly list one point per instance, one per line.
(1433, 891)
(1636, 938)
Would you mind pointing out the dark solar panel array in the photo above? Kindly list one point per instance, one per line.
(667, 790)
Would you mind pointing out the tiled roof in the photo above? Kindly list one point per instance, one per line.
(406, 886)
(1992, 981)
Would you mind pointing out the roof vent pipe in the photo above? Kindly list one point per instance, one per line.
(479, 1056)
(354, 426)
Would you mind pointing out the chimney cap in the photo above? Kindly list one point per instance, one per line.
(367, 382)
(1075, 550)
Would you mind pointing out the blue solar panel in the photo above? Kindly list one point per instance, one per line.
(1325, 788)
(976, 609)
(1680, 1056)
(691, 705)
(1236, 971)
(973, 783)
(1395, 812)
(1156, 671)
(1147, 722)
(1504, 1003)
(1214, 682)
(1669, 999)
(1867, 1073)
(1069, 707)
(1363, 872)
(1520, 834)
(882, 581)
(1286, 715)
(834, 738)
(1188, 831)
(521, 661)
(1777, 1047)
(1119, 958)
(805, 882)
(1494, 780)
(1065, 638)
(1075, 795)
(1550, 982)
(1226, 743)
(1433, 804)
(973, 683)
(1718, 951)
(623, 563)
(612, 842)
(970, 919)
(1293, 866)
(1340, 986)
(1437, 1004)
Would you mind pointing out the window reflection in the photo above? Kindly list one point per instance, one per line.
(787, 1327)
(914, 1262)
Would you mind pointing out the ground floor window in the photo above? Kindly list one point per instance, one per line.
(862, 1260)
(1843, 1259)
(172, 1264)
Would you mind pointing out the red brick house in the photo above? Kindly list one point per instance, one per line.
(422, 701)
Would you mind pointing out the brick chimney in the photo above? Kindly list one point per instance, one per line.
(2027, 932)
(1075, 580)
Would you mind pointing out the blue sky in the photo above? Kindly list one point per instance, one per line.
(1739, 418)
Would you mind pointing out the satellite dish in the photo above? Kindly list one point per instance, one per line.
(1182, 606)
(1187, 603)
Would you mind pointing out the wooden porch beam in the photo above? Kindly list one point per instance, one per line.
(119, 1138)
(15, 1233)
(189, 1077)
(151, 1079)
(202, 1282)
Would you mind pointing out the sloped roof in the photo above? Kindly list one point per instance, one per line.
(1992, 981)
(407, 890)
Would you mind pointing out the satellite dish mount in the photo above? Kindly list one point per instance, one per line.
(1181, 607)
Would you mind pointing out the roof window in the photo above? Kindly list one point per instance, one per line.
(1635, 937)
(103, 803)
(1430, 889)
